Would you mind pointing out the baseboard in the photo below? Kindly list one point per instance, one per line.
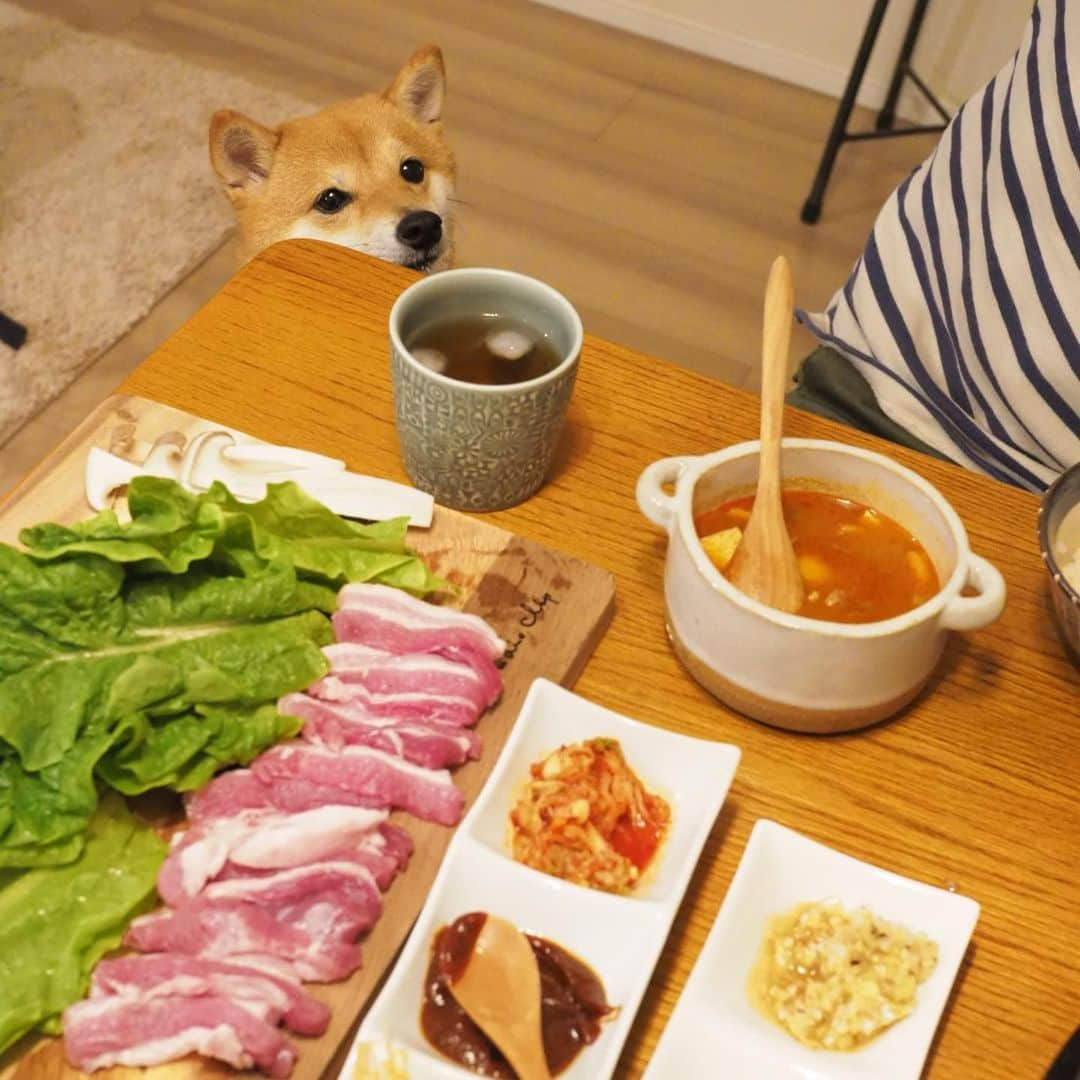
(714, 42)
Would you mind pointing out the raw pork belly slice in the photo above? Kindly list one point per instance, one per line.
(197, 855)
(431, 743)
(299, 793)
(390, 619)
(427, 673)
(105, 1031)
(283, 864)
(222, 929)
(260, 839)
(364, 773)
(383, 851)
(326, 899)
(297, 839)
(227, 795)
(403, 705)
(385, 860)
(154, 975)
(482, 665)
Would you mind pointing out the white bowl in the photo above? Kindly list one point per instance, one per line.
(788, 670)
(1059, 540)
(713, 1019)
(619, 937)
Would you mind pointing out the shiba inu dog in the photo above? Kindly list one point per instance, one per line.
(374, 173)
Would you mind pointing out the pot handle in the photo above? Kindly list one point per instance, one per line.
(974, 612)
(653, 501)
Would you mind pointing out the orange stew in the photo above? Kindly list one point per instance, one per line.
(857, 564)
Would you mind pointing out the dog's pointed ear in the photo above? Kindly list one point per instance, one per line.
(241, 149)
(420, 86)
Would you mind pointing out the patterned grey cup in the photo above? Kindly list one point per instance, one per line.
(481, 447)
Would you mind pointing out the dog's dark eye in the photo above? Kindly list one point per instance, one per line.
(332, 200)
(412, 170)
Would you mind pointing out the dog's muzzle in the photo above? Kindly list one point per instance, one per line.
(421, 230)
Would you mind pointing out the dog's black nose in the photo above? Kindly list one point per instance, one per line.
(420, 229)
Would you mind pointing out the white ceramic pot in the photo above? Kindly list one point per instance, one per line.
(788, 670)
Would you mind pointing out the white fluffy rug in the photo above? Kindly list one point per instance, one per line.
(107, 198)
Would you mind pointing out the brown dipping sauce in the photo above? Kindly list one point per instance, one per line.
(573, 1003)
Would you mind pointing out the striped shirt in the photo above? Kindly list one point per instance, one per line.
(964, 309)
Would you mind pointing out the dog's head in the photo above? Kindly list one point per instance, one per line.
(373, 173)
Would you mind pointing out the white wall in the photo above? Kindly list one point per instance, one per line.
(812, 43)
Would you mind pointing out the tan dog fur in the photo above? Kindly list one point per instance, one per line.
(274, 176)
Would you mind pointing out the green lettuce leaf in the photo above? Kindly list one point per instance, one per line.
(57, 922)
(150, 652)
(200, 597)
(44, 814)
(45, 707)
(289, 525)
(170, 528)
(186, 751)
(76, 602)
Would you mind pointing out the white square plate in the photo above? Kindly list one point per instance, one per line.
(715, 1028)
(620, 937)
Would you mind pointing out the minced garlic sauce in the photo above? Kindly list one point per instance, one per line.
(381, 1062)
(833, 978)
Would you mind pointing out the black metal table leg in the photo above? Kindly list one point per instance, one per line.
(888, 109)
(812, 207)
(839, 133)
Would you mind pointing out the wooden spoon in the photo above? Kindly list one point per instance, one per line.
(764, 564)
(500, 990)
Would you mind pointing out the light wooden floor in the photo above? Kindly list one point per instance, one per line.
(652, 186)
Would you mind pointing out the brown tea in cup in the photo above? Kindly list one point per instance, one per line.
(484, 349)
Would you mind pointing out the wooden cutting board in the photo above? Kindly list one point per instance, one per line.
(552, 610)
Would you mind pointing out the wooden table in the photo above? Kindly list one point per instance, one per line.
(974, 787)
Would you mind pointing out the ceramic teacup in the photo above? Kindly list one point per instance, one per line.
(480, 447)
(789, 670)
